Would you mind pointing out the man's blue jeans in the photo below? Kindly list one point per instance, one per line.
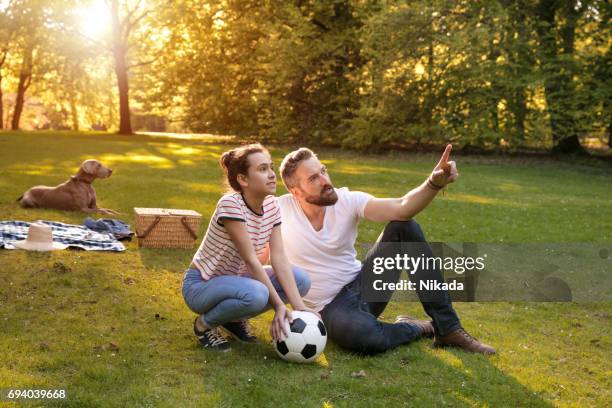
(230, 297)
(353, 323)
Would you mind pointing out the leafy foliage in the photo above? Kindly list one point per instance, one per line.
(504, 74)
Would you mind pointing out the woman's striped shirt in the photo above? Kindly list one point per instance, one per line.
(217, 254)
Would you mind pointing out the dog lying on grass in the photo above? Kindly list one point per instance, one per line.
(76, 194)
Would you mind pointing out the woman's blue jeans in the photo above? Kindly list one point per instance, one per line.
(229, 298)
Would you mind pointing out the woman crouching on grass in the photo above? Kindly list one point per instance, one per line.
(227, 282)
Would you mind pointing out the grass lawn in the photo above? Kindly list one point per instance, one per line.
(113, 330)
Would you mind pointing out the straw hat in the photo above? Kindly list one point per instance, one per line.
(40, 238)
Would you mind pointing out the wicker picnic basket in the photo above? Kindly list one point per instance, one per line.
(166, 228)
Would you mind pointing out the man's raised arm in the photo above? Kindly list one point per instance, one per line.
(406, 207)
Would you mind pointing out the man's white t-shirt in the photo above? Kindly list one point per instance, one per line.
(328, 255)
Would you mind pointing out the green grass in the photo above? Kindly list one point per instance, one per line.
(58, 324)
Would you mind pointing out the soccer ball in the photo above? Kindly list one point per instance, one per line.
(306, 339)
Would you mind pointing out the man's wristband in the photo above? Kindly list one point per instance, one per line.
(433, 185)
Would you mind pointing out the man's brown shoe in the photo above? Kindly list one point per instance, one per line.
(462, 339)
(424, 325)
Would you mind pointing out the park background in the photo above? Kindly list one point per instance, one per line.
(158, 89)
(497, 75)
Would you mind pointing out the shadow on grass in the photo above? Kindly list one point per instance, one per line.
(171, 260)
(111, 341)
(410, 375)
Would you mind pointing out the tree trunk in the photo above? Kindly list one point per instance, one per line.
(2, 60)
(520, 112)
(610, 131)
(1, 106)
(125, 124)
(558, 84)
(521, 59)
(429, 101)
(74, 112)
(119, 52)
(494, 53)
(25, 77)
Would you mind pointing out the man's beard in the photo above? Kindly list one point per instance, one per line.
(326, 197)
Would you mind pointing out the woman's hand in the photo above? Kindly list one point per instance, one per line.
(279, 329)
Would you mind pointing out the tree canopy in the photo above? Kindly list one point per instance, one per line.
(495, 74)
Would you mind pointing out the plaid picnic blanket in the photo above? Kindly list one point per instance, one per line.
(72, 235)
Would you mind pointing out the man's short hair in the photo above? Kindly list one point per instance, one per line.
(291, 162)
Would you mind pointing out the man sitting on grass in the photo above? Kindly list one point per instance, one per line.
(319, 230)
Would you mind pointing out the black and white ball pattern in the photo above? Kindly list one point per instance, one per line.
(306, 340)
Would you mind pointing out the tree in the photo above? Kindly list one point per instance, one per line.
(593, 45)
(75, 81)
(8, 29)
(127, 18)
(34, 20)
(29, 18)
(503, 74)
(122, 28)
(556, 31)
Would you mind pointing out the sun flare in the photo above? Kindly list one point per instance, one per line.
(94, 19)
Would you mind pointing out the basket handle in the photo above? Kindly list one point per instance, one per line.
(149, 228)
(188, 227)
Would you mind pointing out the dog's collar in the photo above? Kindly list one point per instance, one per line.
(77, 178)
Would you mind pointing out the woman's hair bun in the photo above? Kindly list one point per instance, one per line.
(236, 161)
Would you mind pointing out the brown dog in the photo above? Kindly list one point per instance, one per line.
(76, 194)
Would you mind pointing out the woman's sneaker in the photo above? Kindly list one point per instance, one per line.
(211, 338)
(241, 331)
